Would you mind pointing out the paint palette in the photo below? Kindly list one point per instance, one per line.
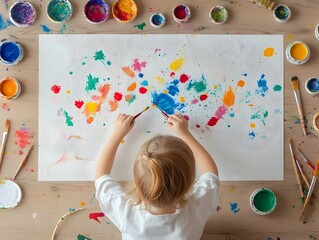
(59, 11)
(11, 53)
(218, 15)
(96, 11)
(297, 52)
(10, 194)
(124, 10)
(22, 14)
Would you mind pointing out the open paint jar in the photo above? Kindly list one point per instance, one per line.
(11, 52)
(157, 20)
(10, 88)
(263, 201)
(124, 10)
(59, 11)
(218, 15)
(96, 11)
(22, 14)
(10, 194)
(282, 13)
(181, 13)
(297, 53)
(312, 85)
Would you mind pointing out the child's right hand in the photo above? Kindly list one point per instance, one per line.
(123, 125)
(178, 123)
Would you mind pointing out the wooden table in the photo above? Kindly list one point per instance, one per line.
(44, 203)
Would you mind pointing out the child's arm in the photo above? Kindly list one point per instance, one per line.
(203, 159)
(122, 127)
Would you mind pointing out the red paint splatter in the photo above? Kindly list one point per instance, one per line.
(5, 106)
(78, 104)
(186, 117)
(23, 136)
(212, 122)
(31, 170)
(95, 216)
(198, 126)
(143, 90)
(56, 89)
(20, 152)
(172, 74)
(203, 97)
(118, 96)
(184, 78)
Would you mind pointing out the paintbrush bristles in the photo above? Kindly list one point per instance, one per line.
(6, 125)
(294, 83)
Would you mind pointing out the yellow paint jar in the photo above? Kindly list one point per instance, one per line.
(10, 88)
(297, 53)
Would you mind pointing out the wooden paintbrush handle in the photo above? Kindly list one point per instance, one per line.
(4, 139)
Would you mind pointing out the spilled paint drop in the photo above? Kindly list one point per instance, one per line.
(160, 80)
(118, 96)
(45, 28)
(140, 26)
(81, 237)
(220, 112)
(23, 137)
(252, 125)
(143, 90)
(262, 86)
(241, 83)
(277, 88)
(131, 87)
(184, 78)
(56, 89)
(229, 98)
(78, 104)
(96, 216)
(164, 102)
(91, 83)
(137, 66)
(68, 119)
(99, 55)
(234, 207)
(177, 64)
(252, 135)
(128, 72)
(268, 52)
(203, 97)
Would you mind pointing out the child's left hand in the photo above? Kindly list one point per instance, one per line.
(123, 125)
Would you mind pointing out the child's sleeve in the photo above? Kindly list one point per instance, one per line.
(205, 196)
(112, 199)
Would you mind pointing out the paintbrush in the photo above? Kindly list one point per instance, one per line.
(145, 109)
(164, 113)
(306, 160)
(24, 160)
(295, 168)
(312, 185)
(295, 87)
(4, 139)
(302, 174)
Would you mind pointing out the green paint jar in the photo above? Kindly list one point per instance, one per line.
(263, 201)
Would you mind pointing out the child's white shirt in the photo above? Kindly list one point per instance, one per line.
(134, 222)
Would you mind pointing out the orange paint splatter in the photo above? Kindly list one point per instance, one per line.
(250, 105)
(268, 52)
(89, 119)
(128, 71)
(113, 105)
(82, 204)
(229, 98)
(182, 99)
(23, 136)
(252, 125)
(132, 87)
(241, 83)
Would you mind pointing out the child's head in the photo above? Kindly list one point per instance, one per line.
(164, 171)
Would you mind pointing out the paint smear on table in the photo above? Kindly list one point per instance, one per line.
(140, 26)
(234, 207)
(96, 216)
(45, 28)
(23, 137)
(81, 237)
(5, 106)
(4, 23)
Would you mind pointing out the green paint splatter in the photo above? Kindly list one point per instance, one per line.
(147, 131)
(228, 125)
(297, 120)
(99, 56)
(260, 116)
(140, 26)
(83, 63)
(108, 63)
(81, 237)
(199, 86)
(71, 72)
(91, 83)
(133, 98)
(277, 88)
(63, 29)
(68, 119)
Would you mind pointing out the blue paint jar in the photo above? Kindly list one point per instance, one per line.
(157, 20)
(312, 85)
(11, 53)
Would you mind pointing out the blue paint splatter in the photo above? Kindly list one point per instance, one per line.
(252, 135)
(245, 74)
(144, 83)
(140, 75)
(164, 102)
(172, 88)
(4, 23)
(234, 207)
(262, 86)
(45, 28)
(232, 114)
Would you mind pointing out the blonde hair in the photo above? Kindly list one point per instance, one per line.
(164, 171)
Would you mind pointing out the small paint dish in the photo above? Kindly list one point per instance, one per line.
(22, 14)
(11, 52)
(124, 10)
(282, 13)
(10, 194)
(297, 53)
(59, 11)
(315, 122)
(96, 11)
(218, 15)
(181, 13)
(157, 20)
(317, 31)
(312, 85)
(10, 88)
(263, 201)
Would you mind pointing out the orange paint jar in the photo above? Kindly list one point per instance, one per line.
(10, 88)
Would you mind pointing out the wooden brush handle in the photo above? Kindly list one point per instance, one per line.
(4, 138)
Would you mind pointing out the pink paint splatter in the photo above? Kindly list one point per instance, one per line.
(23, 136)
(203, 97)
(137, 66)
(186, 117)
(221, 111)
(32, 170)
(78, 104)
(142, 90)
(194, 101)
(5, 106)
(95, 97)
(118, 96)
(62, 159)
(56, 89)
(95, 216)
(184, 78)
(20, 152)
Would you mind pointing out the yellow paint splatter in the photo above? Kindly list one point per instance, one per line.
(241, 83)
(232, 189)
(131, 87)
(215, 86)
(177, 64)
(268, 52)
(91, 107)
(182, 99)
(229, 98)
(82, 204)
(250, 105)
(68, 91)
(166, 91)
(252, 125)
(160, 80)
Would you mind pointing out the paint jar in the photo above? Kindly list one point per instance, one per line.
(181, 13)
(218, 15)
(317, 31)
(312, 85)
(282, 13)
(96, 11)
(10, 88)
(22, 14)
(124, 11)
(297, 53)
(263, 201)
(264, 3)
(59, 11)
(11, 52)
(10, 194)
(157, 20)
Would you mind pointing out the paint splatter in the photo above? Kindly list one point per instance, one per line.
(184, 78)
(128, 72)
(173, 88)
(199, 86)
(144, 83)
(62, 159)
(261, 116)
(5, 106)
(56, 89)
(277, 88)
(262, 86)
(252, 135)
(164, 102)
(91, 83)
(68, 119)
(221, 111)
(229, 98)
(45, 28)
(118, 96)
(82, 204)
(143, 90)
(160, 80)
(4, 23)
(23, 137)
(95, 216)
(234, 207)
(81, 237)
(241, 83)
(78, 104)
(132, 87)
(269, 52)
(100, 56)
(203, 97)
(137, 66)
(140, 26)
(177, 64)
(130, 98)
(63, 29)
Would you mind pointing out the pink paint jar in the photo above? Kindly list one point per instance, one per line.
(181, 13)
